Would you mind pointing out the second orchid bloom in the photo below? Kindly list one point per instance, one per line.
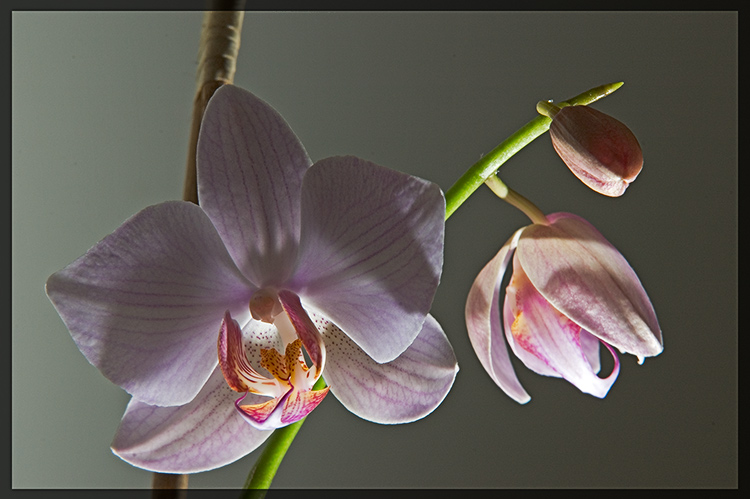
(569, 291)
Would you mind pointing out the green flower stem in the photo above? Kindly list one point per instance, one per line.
(268, 463)
(546, 108)
(261, 476)
(515, 199)
(490, 163)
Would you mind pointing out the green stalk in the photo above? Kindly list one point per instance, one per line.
(515, 199)
(490, 163)
(260, 477)
(265, 468)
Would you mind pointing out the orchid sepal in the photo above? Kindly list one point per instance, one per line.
(401, 391)
(586, 278)
(484, 324)
(183, 439)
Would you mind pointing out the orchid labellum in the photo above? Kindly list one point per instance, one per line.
(570, 291)
(218, 319)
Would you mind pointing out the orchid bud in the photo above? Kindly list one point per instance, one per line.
(601, 151)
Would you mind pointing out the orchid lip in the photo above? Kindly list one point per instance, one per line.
(291, 383)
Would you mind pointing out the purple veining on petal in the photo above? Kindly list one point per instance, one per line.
(137, 302)
(250, 168)
(399, 391)
(575, 268)
(372, 254)
(205, 434)
(146, 303)
(546, 341)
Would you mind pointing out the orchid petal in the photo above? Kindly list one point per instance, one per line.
(250, 167)
(371, 251)
(590, 348)
(205, 434)
(546, 341)
(584, 277)
(403, 390)
(144, 304)
(515, 326)
(484, 326)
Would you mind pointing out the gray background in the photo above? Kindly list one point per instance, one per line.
(101, 104)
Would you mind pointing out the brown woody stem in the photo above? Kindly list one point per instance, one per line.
(217, 61)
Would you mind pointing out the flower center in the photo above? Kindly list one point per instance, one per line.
(292, 380)
(289, 369)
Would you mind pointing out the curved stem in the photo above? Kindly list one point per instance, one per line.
(490, 163)
(168, 486)
(268, 463)
(513, 198)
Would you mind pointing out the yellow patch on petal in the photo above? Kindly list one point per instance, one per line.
(283, 368)
(522, 334)
(272, 360)
(259, 412)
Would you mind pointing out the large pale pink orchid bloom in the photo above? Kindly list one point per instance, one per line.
(204, 313)
(570, 291)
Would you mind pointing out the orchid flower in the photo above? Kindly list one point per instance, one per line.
(219, 319)
(569, 291)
